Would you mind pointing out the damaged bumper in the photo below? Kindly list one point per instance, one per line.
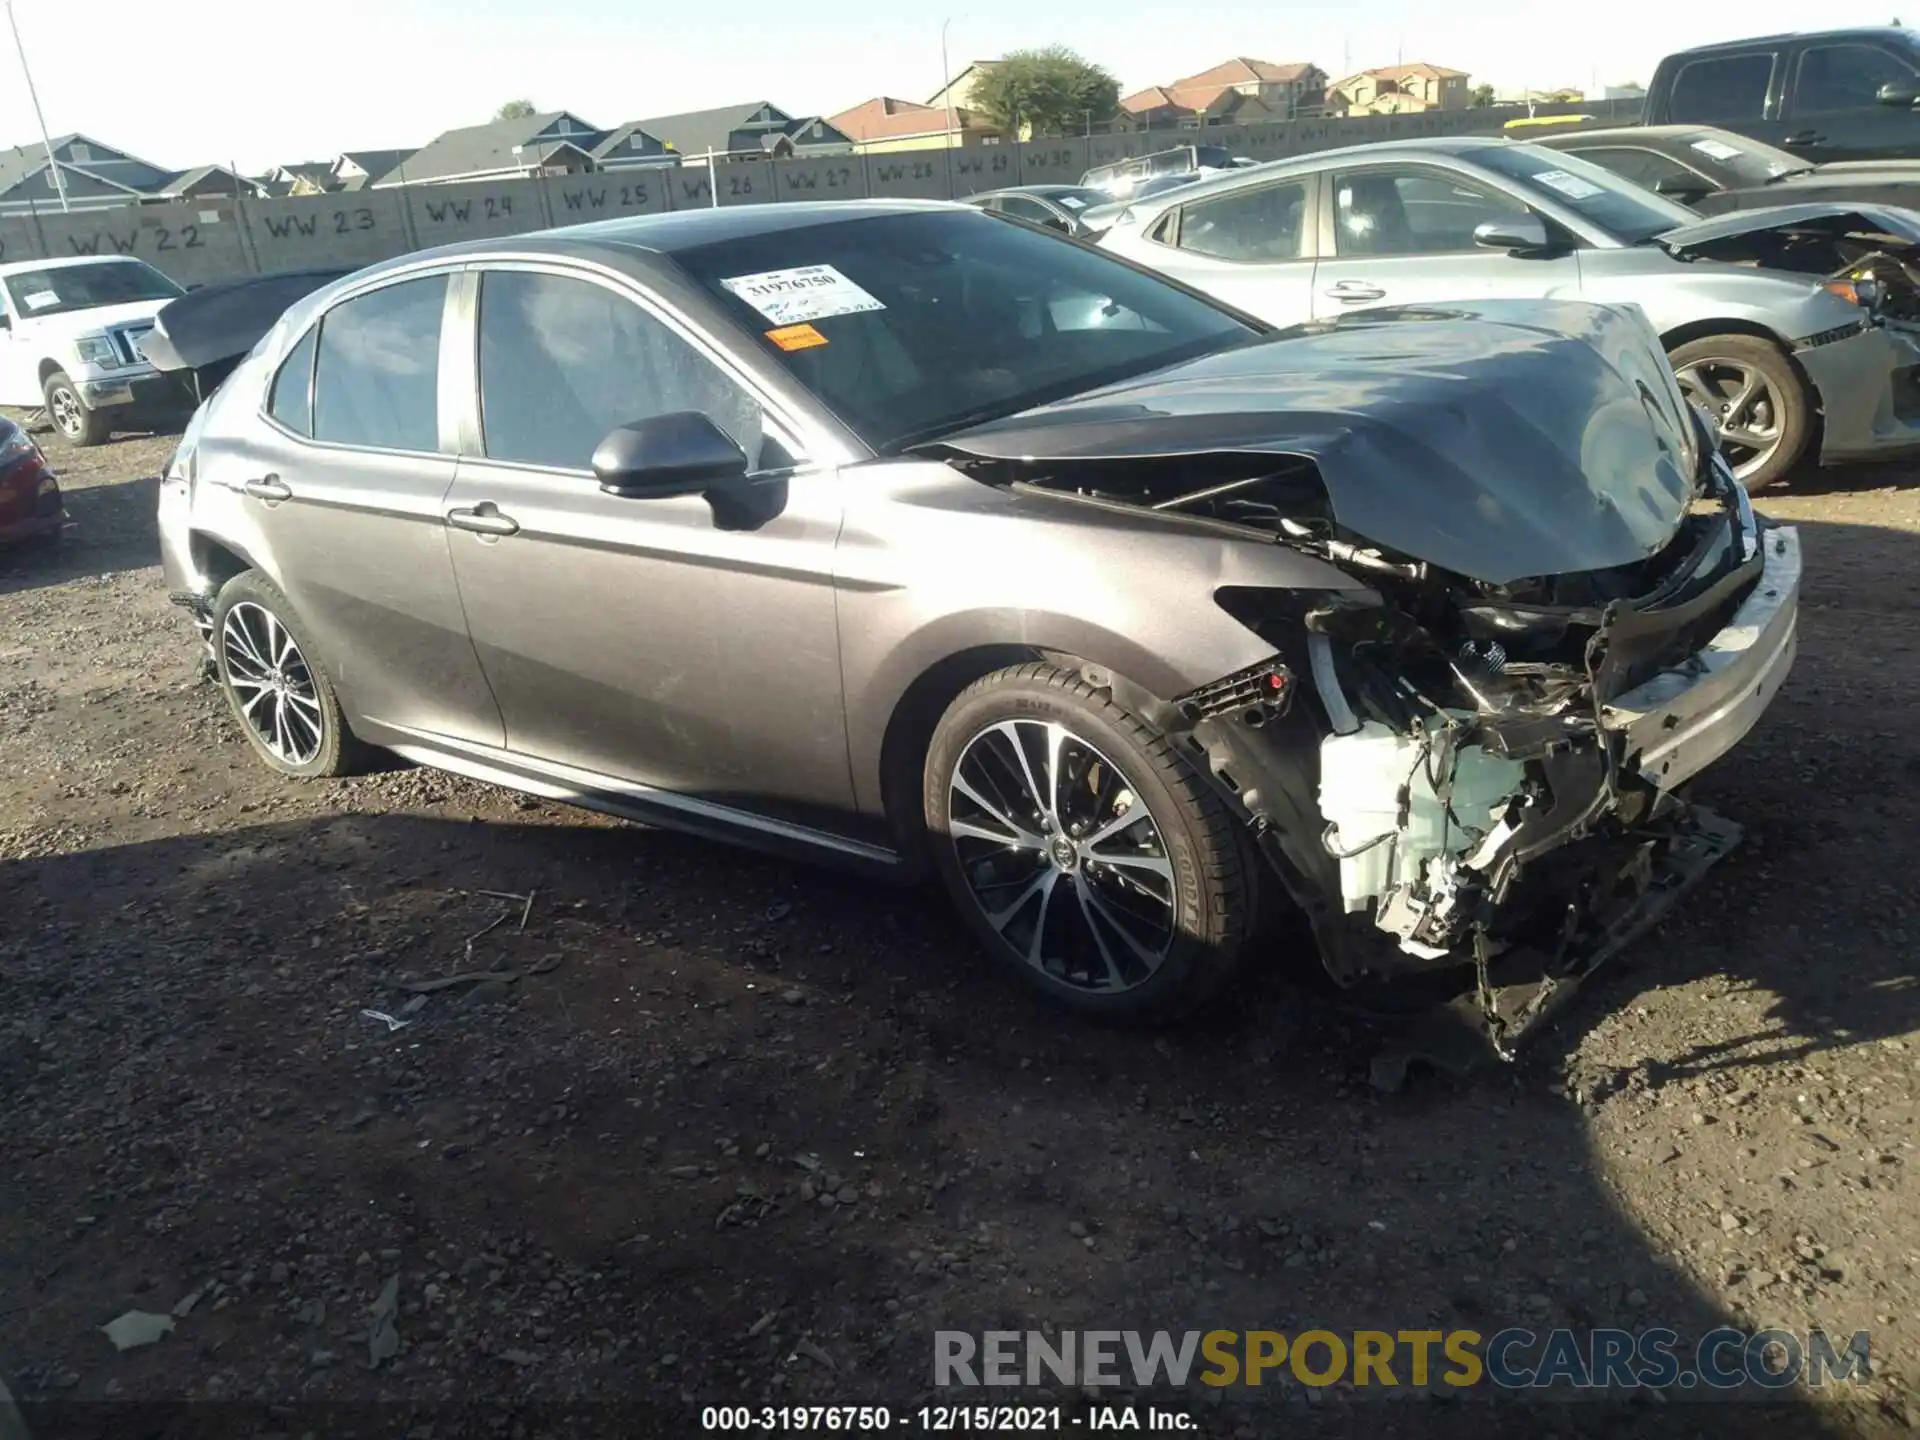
(1869, 388)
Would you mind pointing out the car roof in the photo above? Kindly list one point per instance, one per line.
(17, 267)
(691, 229)
(1849, 32)
(1630, 132)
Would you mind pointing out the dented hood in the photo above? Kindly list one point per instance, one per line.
(1836, 219)
(1499, 440)
(224, 321)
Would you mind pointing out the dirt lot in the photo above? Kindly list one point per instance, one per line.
(745, 1132)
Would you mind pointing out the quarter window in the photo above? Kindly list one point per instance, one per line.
(1729, 87)
(1261, 223)
(291, 402)
(1410, 212)
(1845, 77)
(564, 361)
(377, 379)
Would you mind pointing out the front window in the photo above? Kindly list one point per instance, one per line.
(1721, 87)
(1846, 77)
(59, 289)
(1619, 207)
(909, 326)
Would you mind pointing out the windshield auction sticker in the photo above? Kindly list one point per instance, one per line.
(1571, 186)
(806, 292)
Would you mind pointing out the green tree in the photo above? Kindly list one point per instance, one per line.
(1053, 91)
(1481, 97)
(515, 110)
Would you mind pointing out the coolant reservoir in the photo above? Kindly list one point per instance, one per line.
(1366, 780)
(1361, 777)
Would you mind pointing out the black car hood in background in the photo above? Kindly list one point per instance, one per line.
(224, 321)
(1498, 440)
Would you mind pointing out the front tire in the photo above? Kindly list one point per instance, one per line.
(1762, 413)
(284, 703)
(1083, 851)
(76, 424)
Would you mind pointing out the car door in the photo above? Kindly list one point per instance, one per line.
(341, 498)
(641, 639)
(1250, 246)
(1835, 106)
(1403, 235)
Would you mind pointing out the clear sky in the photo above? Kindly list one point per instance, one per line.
(261, 82)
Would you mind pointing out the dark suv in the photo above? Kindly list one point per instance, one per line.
(1831, 95)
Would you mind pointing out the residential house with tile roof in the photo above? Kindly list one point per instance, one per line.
(886, 123)
(1400, 90)
(1240, 91)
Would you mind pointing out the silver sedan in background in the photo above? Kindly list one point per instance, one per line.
(1792, 326)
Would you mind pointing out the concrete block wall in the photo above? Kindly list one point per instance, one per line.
(199, 242)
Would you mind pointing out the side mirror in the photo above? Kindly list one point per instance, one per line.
(1679, 187)
(682, 453)
(1896, 93)
(1516, 232)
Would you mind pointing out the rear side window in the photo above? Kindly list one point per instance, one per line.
(1845, 77)
(1258, 224)
(563, 361)
(1644, 167)
(1727, 87)
(377, 382)
(291, 402)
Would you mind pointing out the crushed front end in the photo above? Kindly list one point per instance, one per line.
(1500, 767)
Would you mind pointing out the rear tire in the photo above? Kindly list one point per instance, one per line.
(1130, 921)
(281, 697)
(1761, 409)
(70, 417)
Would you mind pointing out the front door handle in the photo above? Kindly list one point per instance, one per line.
(1807, 137)
(269, 488)
(483, 519)
(1352, 291)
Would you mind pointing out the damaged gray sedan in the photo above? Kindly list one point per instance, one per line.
(908, 537)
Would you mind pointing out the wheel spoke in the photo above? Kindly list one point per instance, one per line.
(1134, 813)
(1751, 439)
(1009, 731)
(1154, 864)
(1041, 884)
(1100, 941)
(1056, 742)
(967, 830)
(1751, 386)
(1018, 833)
(238, 638)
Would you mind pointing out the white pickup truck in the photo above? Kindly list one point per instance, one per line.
(70, 333)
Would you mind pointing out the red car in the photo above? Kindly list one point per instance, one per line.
(30, 507)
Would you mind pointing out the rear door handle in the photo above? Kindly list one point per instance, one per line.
(267, 487)
(483, 519)
(1351, 291)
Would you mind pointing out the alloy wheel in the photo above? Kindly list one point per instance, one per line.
(1062, 855)
(63, 408)
(271, 683)
(1745, 411)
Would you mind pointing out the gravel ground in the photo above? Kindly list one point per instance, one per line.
(748, 1132)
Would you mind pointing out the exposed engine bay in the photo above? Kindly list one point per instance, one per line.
(1849, 250)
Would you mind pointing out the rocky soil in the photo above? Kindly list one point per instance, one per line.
(744, 1132)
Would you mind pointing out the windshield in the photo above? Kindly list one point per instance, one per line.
(1619, 207)
(907, 326)
(61, 288)
(1735, 160)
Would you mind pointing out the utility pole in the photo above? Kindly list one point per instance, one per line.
(946, 78)
(59, 181)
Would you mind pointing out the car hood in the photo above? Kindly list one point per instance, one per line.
(224, 321)
(1837, 217)
(1500, 440)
